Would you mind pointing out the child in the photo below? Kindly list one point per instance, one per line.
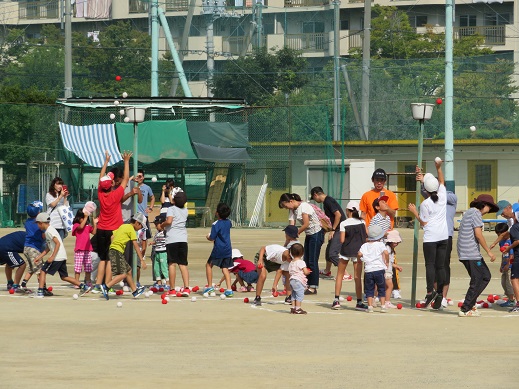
(470, 236)
(33, 246)
(176, 241)
(507, 259)
(121, 270)
(57, 262)
(244, 270)
(10, 247)
(221, 255)
(298, 283)
(375, 256)
(352, 236)
(392, 240)
(83, 249)
(381, 217)
(159, 254)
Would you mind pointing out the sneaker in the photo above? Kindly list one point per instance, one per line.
(361, 307)
(336, 304)
(140, 290)
(437, 303)
(515, 309)
(472, 313)
(185, 292)
(347, 277)
(104, 291)
(257, 301)
(155, 285)
(47, 293)
(39, 295)
(228, 293)
(396, 294)
(308, 291)
(84, 289)
(243, 289)
(507, 304)
(299, 311)
(390, 305)
(96, 289)
(325, 274)
(166, 288)
(19, 290)
(383, 309)
(370, 309)
(111, 292)
(445, 303)
(24, 290)
(209, 289)
(429, 297)
(288, 300)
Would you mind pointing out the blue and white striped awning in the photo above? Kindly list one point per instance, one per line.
(90, 142)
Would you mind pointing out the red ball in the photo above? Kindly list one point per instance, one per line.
(164, 301)
(485, 305)
(460, 304)
(222, 290)
(418, 305)
(490, 298)
(275, 294)
(163, 295)
(246, 300)
(422, 305)
(196, 289)
(349, 298)
(118, 78)
(49, 288)
(260, 266)
(179, 294)
(502, 249)
(119, 292)
(161, 289)
(399, 306)
(233, 288)
(439, 101)
(154, 290)
(11, 291)
(496, 297)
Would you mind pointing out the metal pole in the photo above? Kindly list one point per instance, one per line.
(449, 97)
(416, 222)
(366, 58)
(336, 66)
(154, 48)
(135, 197)
(68, 50)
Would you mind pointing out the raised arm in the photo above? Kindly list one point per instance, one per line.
(126, 175)
(102, 173)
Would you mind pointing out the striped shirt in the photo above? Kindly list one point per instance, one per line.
(383, 222)
(468, 245)
(160, 242)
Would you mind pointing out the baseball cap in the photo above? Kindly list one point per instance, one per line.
(291, 231)
(236, 253)
(379, 173)
(353, 205)
(379, 199)
(105, 182)
(430, 183)
(159, 219)
(502, 204)
(515, 207)
(43, 217)
(139, 217)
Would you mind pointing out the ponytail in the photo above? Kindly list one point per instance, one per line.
(287, 197)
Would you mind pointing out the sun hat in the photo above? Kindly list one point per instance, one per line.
(43, 217)
(139, 217)
(430, 183)
(393, 236)
(502, 204)
(375, 232)
(488, 200)
(379, 173)
(353, 205)
(291, 231)
(89, 208)
(236, 253)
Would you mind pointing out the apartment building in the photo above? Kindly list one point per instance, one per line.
(239, 25)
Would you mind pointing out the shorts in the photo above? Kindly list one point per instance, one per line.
(250, 277)
(269, 266)
(119, 263)
(177, 253)
(104, 240)
(82, 260)
(31, 253)
(298, 290)
(375, 278)
(514, 270)
(220, 262)
(55, 266)
(284, 266)
(389, 272)
(352, 259)
(11, 259)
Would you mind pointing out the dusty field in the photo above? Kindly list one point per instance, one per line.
(59, 342)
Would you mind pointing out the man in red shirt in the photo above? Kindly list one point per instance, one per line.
(379, 179)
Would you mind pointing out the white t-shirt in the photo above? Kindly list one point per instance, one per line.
(435, 214)
(297, 214)
(372, 256)
(55, 218)
(50, 234)
(274, 253)
(176, 232)
(295, 268)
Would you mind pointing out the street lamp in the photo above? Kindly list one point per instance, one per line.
(421, 112)
(136, 116)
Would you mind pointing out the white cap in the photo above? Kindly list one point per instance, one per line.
(139, 217)
(236, 253)
(353, 205)
(430, 183)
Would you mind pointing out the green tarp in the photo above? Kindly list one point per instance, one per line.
(157, 140)
(219, 134)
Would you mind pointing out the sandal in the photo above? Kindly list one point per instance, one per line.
(243, 289)
(308, 291)
(298, 311)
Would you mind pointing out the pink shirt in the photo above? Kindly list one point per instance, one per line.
(243, 265)
(82, 237)
(295, 268)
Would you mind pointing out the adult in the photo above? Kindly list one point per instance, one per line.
(142, 205)
(304, 213)
(169, 190)
(110, 213)
(505, 210)
(11, 245)
(432, 217)
(55, 198)
(333, 210)
(379, 179)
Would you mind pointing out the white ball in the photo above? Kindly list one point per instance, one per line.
(154, 179)
(126, 119)
(437, 160)
(125, 95)
(150, 292)
(121, 112)
(177, 288)
(472, 128)
(112, 116)
(147, 295)
(222, 296)
(119, 304)
(126, 289)
(75, 296)
(213, 294)
(166, 298)
(341, 298)
(116, 103)
(206, 295)
(193, 299)
(450, 302)
(121, 284)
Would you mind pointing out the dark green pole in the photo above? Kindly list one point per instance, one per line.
(416, 222)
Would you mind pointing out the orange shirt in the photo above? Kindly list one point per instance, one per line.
(366, 204)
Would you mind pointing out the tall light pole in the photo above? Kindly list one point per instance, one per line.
(421, 112)
(449, 96)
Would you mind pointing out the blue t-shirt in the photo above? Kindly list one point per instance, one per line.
(505, 257)
(34, 237)
(221, 235)
(146, 193)
(12, 242)
(514, 235)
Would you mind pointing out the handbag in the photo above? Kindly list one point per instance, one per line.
(67, 216)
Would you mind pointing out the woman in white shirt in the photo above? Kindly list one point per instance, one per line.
(433, 219)
(56, 197)
(304, 213)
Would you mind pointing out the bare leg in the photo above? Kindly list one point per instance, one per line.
(277, 277)
(209, 274)
(185, 274)
(357, 268)
(101, 272)
(172, 269)
(71, 280)
(19, 273)
(262, 276)
(341, 268)
(227, 276)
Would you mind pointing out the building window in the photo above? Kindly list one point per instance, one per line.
(483, 178)
(313, 27)
(496, 19)
(345, 25)
(268, 28)
(418, 20)
(467, 20)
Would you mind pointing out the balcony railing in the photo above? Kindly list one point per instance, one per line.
(309, 42)
(235, 45)
(355, 38)
(494, 35)
(305, 3)
(48, 9)
(138, 6)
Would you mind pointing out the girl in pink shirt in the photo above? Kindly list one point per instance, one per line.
(298, 272)
(83, 249)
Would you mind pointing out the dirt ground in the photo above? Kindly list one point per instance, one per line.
(60, 342)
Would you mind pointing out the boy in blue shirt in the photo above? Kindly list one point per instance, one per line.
(10, 247)
(507, 259)
(221, 255)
